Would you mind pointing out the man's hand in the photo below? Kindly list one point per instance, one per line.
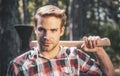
(90, 44)
(105, 63)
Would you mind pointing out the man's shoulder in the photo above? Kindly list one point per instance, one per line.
(74, 50)
(24, 57)
(70, 50)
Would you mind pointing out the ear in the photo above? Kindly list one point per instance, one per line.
(62, 30)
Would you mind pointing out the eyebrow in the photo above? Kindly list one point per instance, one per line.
(49, 29)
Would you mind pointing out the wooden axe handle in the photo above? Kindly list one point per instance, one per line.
(102, 42)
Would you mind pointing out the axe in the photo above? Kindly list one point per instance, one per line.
(103, 42)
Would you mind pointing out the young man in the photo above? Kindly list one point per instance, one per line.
(50, 59)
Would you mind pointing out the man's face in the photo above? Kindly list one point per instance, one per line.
(48, 32)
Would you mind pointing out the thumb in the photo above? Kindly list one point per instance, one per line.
(84, 47)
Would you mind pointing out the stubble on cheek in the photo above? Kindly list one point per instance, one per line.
(42, 45)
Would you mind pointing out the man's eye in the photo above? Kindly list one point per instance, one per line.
(53, 30)
(40, 29)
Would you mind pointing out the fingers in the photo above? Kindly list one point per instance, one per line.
(91, 41)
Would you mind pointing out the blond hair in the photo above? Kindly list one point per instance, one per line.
(50, 10)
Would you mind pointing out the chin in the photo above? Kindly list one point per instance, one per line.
(45, 49)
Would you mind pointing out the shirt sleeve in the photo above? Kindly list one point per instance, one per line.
(12, 69)
(88, 65)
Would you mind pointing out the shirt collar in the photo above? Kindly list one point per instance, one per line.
(63, 53)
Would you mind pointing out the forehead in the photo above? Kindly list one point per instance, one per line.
(49, 22)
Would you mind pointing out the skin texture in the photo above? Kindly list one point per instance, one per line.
(48, 32)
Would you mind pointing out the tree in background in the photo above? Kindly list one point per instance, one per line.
(9, 40)
(76, 19)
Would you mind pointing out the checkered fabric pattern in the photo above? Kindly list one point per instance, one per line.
(68, 62)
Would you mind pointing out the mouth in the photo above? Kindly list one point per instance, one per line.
(47, 44)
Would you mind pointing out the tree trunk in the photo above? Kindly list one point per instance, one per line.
(77, 19)
(9, 40)
(25, 12)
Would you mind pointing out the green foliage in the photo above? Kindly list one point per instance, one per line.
(112, 31)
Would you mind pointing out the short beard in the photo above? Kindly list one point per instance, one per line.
(42, 49)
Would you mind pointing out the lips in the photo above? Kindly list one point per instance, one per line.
(46, 43)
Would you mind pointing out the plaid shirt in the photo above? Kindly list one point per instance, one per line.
(68, 62)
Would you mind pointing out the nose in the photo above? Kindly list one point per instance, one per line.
(46, 35)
